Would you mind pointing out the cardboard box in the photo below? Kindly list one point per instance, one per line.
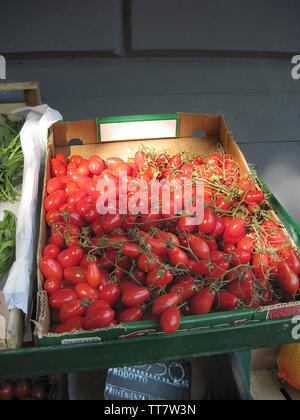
(11, 322)
(195, 133)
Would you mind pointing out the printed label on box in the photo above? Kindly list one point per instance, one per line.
(284, 312)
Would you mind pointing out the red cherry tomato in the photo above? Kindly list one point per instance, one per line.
(240, 256)
(219, 228)
(246, 243)
(186, 290)
(57, 168)
(187, 224)
(51, 251)
(6, 391)
(241, 285)
(148, 262)
(52, 285)
(159, 278)
(96, 165)
(22, 389)
(110, 293)
(38, 392)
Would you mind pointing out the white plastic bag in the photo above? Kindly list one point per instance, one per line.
(19, 285)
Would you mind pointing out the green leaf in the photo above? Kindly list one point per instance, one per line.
(7, 241)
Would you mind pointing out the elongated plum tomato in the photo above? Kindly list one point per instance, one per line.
(52, 285)
(71, 310)
(54, 184)
(71, 257)
(134, 297)
(170, 320)
(111, 222)
(148, 262)
(159, 278)
(100, 318)
(96, 165)
(254, 196)
(51, 251)
(293, 260)
(185, 290)
(86, 291)
(209, 222)
(75, 275)
(165, 301)
(203, 301)
(96, 276)
(178, 257)
(227, 301)
(50, 268)
(236, 228)
(58, 299)
(288, 279)
(74, 324)
(199, 247)
(6, 391)
(109, 293)
(131, 315)
(55, 200)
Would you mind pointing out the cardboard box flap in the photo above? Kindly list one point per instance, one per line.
(86, 131)
(157, 126)
(190, 124)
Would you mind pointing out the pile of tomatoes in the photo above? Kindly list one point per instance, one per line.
(37, 389)
(102, 270)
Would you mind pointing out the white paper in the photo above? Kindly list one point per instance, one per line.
(19, 285)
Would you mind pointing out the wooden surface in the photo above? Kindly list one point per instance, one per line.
(260, 26)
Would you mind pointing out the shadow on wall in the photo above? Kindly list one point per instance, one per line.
(278, 165)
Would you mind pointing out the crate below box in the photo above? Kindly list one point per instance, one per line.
(210, 378)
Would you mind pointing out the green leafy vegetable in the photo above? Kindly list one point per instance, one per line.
(11, 159)
(7, 241)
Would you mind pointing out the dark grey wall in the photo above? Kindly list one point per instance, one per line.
(122, 57)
